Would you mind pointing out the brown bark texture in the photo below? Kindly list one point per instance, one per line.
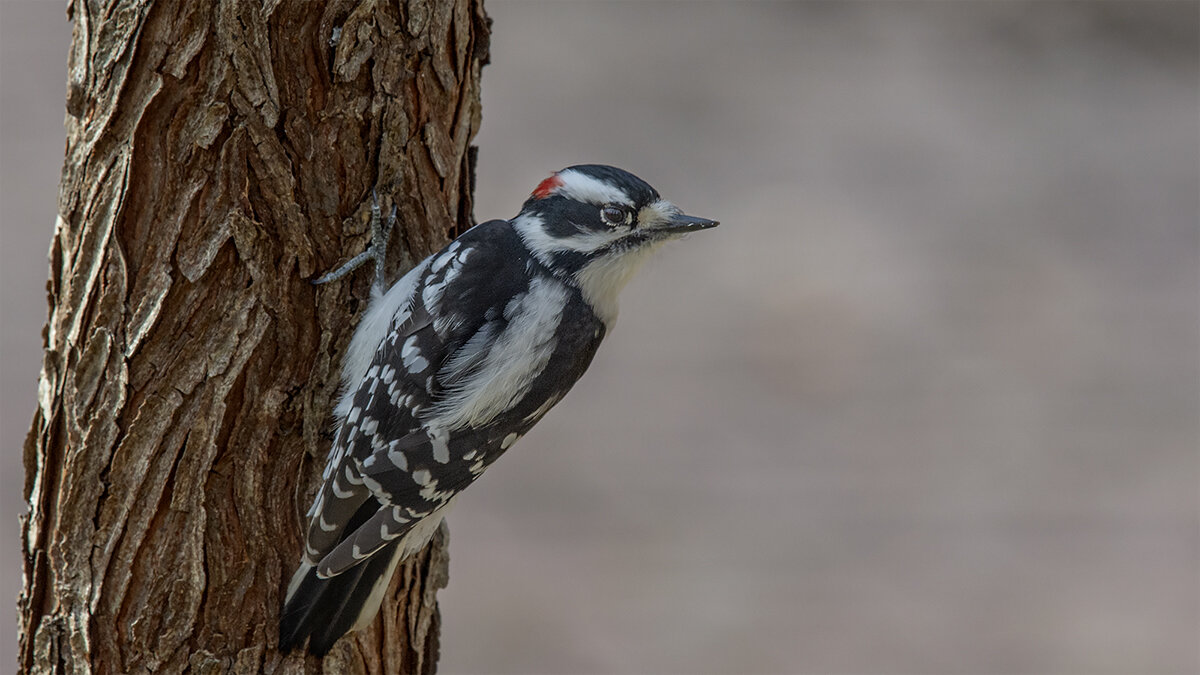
(219, 156)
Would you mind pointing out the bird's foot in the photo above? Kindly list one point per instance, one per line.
(376, 252)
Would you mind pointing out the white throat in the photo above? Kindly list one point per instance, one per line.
(601, 280)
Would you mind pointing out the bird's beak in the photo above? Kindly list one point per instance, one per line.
(680, 224)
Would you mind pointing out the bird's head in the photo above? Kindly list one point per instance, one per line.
(595, 224)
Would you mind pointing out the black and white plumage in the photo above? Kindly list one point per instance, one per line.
(453, 364)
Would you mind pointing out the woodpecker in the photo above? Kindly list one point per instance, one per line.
(451, 365)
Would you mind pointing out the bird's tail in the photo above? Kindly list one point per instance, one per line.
(324, 610)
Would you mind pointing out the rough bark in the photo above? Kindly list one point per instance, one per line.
(219, 156)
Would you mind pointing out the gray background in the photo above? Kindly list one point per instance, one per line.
(927, 402)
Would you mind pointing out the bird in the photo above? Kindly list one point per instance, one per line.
(451, 365)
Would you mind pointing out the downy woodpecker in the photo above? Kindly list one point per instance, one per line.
(452, 365)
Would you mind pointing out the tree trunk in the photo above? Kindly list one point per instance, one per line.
(219, 156)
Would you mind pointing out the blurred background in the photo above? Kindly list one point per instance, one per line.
(928, 401)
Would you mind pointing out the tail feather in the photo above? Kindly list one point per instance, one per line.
(324, 610)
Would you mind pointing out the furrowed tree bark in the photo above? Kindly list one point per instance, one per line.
(219, 156)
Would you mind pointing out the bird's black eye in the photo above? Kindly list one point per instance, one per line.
(613, 214)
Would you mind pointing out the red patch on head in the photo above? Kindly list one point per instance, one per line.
(547, 186)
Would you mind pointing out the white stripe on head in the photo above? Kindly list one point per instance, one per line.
(656, 213)
(584, 188)
(532, 231)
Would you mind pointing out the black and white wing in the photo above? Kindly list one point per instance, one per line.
(422, 421)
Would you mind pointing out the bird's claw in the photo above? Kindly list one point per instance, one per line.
(376, 252)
